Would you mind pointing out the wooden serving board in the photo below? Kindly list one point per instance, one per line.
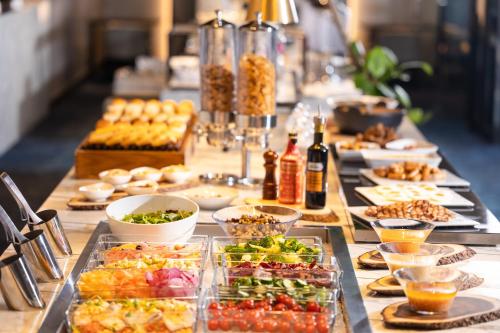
(389, 286)
(455, 253)
(465, 311)
(80, 203)
(324, 215)
(89, 162)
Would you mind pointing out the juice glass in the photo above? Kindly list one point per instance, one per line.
(402, 230)
(429, 290)
(409, 254)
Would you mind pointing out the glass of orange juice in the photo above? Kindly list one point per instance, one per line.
(429, 290)
(402, 230)
(409, 254)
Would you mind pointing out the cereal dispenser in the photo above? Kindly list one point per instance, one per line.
(217, 78)
(256, 92)
(250, 116)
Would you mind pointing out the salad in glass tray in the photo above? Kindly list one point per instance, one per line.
(227, 250)
(133, 315)
(110, 248)
(161, 277)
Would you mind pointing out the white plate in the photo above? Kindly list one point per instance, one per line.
(382, 157)
(450, 179)
(457, 221)
(394, 193)
(212, 197)
(349, 154)
(419, 147)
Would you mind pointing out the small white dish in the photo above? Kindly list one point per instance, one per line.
(212, 197)
(141, 187)
(115, 176)
(350, 154)
(97, 191)
(146, 173)
(176, 173)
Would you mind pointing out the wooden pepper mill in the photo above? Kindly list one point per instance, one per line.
(270, 186)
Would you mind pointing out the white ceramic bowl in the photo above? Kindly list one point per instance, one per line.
(212, 197)
(115, 176)
(141, 187)
(172, 174)
(97, 191)
(146, 173)
(178, 231)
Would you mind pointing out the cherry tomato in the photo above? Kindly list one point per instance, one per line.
(215, 313)
(290, 302)
(297, 308)
(313, 307)
(280, 298)
(289, 316)
(270, 325)
(299, 326)
(279, 307)
(214, 306)
(258, 326)
(243, 325)
(213, 325)
(224, 324)
(230, 304)
(322, 327)
(310, 328)
(247, 304)
(285, 327)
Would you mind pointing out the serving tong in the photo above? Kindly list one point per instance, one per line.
(46, 220)
(35, 247)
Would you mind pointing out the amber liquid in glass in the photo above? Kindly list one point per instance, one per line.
(430, 297)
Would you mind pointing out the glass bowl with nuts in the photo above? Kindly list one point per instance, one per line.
(256, 220)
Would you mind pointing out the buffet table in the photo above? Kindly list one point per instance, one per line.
(79, 226)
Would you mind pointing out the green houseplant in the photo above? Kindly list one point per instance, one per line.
(379, 72)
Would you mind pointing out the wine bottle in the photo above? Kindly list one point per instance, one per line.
(317, 168)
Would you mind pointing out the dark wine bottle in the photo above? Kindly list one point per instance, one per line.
(317, 168)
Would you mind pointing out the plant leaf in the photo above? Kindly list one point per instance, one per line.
(422, 65)
(402, 96)
(386, 90)
(378, 63)
(362, 82)
(418, 116)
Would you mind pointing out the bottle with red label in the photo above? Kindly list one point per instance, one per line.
(291, 184)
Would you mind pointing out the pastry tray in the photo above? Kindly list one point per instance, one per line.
(353, 318)
(449, 180)
(457, 221)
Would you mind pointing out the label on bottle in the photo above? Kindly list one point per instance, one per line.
(314, 166)
(314, 181)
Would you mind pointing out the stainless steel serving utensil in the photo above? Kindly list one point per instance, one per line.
(52, 226)
(35, 247)
(46, 220)
(25, 208)
(18, 284)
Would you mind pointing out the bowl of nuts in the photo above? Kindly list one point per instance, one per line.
(256, 220)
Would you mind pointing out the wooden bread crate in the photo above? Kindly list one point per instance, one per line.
(89, 162)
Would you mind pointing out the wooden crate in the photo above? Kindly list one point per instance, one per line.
(89, 162)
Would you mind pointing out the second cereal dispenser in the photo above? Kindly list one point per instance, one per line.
(217, 74)
(256, 88)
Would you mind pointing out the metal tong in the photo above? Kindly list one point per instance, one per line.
(35, 248)
(46, 220)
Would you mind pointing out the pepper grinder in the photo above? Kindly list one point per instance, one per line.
(270, 185)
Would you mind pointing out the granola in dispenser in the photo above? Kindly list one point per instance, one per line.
(217, 88)
(256, 86)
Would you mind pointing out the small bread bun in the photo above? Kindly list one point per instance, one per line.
(169, 106)
(185, 107)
